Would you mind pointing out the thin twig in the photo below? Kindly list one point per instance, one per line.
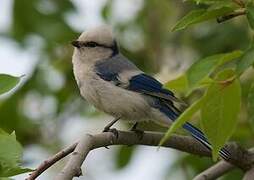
(231, 15)
(52, 160)
(221, 168)
(215, 171)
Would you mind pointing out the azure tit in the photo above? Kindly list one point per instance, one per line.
(114, 85)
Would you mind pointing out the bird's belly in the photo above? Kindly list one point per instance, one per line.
(116, 101)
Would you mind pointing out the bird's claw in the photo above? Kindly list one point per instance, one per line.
(112, 130)
(139, 133)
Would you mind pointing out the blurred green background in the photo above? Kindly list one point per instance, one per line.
(46, 110)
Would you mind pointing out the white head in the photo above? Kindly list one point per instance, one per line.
(95, 44)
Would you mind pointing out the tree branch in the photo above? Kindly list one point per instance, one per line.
(222, 168)
(182, 143)
(90, 142)
(239, 156)
(249, 174)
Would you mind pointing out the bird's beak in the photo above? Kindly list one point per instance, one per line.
(76, 44)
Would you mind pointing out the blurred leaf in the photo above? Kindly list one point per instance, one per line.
(179, 84)
(194, 164)
(106, 11)
(250, 104)
(10, 155)
(225, 3)
(7, 82)
(203, 68)
(183, 118)
(216, 4)
(246, 61)
(124, 155)
(250, 14)
(30, 19)
(200, 15)
(220, 110)
(5, 178)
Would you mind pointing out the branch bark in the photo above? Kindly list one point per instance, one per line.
(90, 142)
(249, 175)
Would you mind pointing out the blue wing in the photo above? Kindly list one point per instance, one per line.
(150, 86)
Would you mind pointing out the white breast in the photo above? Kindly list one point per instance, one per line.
(111, 99)
(115, 100)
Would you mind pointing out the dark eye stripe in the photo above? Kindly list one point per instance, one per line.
(91, 44)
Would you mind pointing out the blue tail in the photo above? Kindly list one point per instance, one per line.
(195, 132)
(198, 135)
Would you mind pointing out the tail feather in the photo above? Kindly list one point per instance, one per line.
(195, 132)
(198, 135)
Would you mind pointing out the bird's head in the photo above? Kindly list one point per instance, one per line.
(95, 44)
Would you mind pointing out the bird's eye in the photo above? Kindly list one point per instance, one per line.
(91, 44)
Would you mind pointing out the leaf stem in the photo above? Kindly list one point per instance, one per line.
(227, 81)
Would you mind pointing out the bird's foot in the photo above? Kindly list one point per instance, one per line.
(112, 130)
(140, 133)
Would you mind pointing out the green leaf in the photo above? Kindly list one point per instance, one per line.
(107, 10)
(183, 118)
(179, 84)
(200, 15)
(220, 109)
(7, 82)
(10, 155)
(250, 14)
(246, 61)
(250, 104)
(204, 67)
(124, 156)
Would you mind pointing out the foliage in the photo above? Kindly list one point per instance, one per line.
(220, 110)
(7, 82)
(11, 150)
(200, 15)
(10, 155)
(221, 103)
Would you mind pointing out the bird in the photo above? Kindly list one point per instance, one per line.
(115, 85)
